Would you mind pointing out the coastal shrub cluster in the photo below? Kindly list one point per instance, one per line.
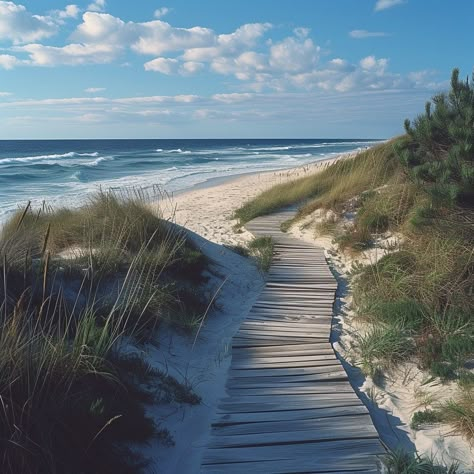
(440, 150)
(425, 289)
(75, 286)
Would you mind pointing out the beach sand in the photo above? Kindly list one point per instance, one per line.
(208, 212)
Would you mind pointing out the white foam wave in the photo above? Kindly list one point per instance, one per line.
(98, 160)
(275, 148)
(54, 156)
(179, 150)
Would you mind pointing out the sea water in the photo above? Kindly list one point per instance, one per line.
(65, 172)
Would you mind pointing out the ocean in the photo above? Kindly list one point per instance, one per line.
(65, 172)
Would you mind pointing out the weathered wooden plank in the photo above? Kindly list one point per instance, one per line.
(278, 426)
(284, 415)
(280, 358)
(289, 404)
(257, 381)
(302, 401)
(278, 333)
(316, 347)
(258, 340)
(331, 451)
(285, 364)
(284, 371)
(315, 433)
(326, 387)
(255, 343)
(292, 312)
(284, 325)
(307, 465)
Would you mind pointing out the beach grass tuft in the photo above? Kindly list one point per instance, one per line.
(75, 286)
(261, 248)
(403, 462)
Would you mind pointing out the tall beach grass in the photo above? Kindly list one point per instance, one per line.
(76, 284)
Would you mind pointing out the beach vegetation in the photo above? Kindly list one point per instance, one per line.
(424, 417)
(76, 287)
(261, 248)
(329, 188)
(459, 414)
(404, 462)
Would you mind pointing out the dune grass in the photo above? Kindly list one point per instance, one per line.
(402, 462)
(73, 285)
(328, 188)
(459, 413)
(262, 249)
(425, 417)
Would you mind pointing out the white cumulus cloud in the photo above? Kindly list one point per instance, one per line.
(386, 4)
(163, 65)
(19, 25)
(294, 54)
(161, 12)
(7, 61)
(71, 54)
(97, 6)
(362, 34)
(94, 90)
(70, 11)
(152, 38)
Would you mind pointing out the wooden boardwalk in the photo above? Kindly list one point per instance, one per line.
(289, 407)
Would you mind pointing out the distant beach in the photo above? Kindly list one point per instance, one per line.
(65, 172)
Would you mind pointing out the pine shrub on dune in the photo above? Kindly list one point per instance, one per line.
(440, 150)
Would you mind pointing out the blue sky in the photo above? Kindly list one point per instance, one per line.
(225, 68)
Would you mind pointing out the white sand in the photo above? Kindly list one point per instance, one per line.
(208, 212)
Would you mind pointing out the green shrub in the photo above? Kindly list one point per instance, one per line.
(404, 313)
(425, 417)
(403, 462)
(444, 370)
(262, 249)
(382, 347)
(374, 220)
(354, 239)
(440, 152)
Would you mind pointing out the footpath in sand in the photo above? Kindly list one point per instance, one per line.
(288, 406)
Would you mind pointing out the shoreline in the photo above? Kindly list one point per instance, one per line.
(218, 180)
(208, 210)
